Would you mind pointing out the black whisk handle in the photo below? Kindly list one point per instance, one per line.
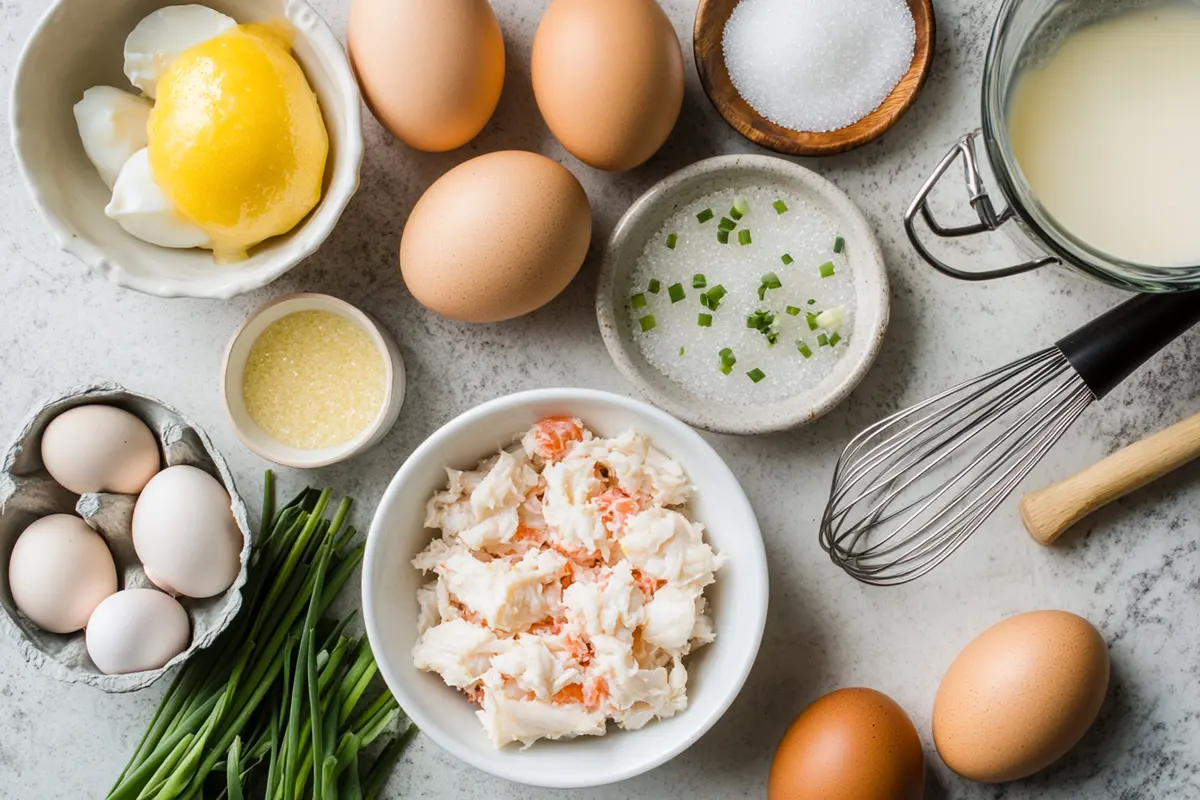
(1111, 347)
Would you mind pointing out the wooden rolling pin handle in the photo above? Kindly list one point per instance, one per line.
(1048, 513)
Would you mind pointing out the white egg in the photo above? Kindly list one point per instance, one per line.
(140, 207)
(112, 126)
(99, 448)
(185, 534)
(137, 630)
(59, 571)
(160, 37)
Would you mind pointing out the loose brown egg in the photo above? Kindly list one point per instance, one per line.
(1020, 695)
(852, 744)
(608, 78)
(496, 237)
(431, 71)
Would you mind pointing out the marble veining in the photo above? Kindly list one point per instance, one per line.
(1133, 569)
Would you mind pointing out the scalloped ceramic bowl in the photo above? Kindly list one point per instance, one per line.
(716, 672)
(78, 44)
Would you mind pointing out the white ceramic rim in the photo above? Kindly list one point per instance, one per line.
(260, 443)
(756, 618)
(305, 242)
(866, 256)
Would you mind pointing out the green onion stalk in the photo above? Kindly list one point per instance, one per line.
(285, 704)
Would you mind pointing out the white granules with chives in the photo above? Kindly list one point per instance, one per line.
(313, 379)
(818, 65)
(688, 353)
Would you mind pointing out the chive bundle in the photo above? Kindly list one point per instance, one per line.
(277, 707)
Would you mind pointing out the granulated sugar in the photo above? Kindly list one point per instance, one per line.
(689, 353)
(818, 65)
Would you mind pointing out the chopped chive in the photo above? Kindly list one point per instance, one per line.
(647, 323)
(832, 317)
(704, 301)
(734, 213)
(786, 258)
(804, 349)
(827, 269)
(638, 300)
(715, 295)
(699, 281)
(705, 215)
(780, 207)
(741, 206)
(654, 286)
(726, 224)
(744, 236)
(812, 321)
(675, 292)
(769, 281)
(833, 340)
(723, 237)
(704, 320)
(823, 340)
(727, 360)
(839, 244)
(812, 302)
(681, 351)
(756, 374)
(671, 241)
(792, 311)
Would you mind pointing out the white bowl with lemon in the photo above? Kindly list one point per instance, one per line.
(187, 151)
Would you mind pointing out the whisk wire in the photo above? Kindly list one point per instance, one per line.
(911, 489)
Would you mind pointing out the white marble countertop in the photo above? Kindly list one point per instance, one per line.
(1134, 569)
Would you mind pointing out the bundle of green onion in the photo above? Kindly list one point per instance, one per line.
(278, 707)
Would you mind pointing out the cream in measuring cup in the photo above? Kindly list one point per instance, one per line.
(1106, 132)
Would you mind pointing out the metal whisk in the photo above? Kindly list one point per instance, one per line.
(911, 489)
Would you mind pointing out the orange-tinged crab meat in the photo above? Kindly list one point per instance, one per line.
(616, 506)
(553, 436)
(571, 693)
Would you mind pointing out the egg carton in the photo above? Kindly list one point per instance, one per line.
(27, 493)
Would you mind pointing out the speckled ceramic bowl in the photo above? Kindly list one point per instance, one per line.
(645, 218)
(79, 44)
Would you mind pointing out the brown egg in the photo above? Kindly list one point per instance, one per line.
(496, 237)
(608, 78)
(1020, 695)
(852, 744)
(431, 71)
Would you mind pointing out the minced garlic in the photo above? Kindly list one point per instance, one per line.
(313, 380)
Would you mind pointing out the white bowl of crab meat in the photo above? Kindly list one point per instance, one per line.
(580, 609)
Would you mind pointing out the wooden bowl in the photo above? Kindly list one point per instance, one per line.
(707, 35)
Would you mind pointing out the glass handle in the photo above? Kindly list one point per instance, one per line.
(989, 219)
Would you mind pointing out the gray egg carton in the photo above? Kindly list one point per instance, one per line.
(27, 493)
